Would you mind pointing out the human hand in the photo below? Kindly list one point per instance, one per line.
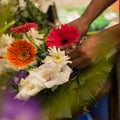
(93, 48)
(85, 53)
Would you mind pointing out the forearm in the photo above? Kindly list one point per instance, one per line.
(94, 9)
(111, 36)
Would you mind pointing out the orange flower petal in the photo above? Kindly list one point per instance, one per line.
(21, 53)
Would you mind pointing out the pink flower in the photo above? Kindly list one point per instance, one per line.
(24, 28)
(62, 37)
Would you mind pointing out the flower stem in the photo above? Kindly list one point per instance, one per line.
(38, 58)
(38, 47)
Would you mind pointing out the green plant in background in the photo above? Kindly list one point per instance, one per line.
(7, 9)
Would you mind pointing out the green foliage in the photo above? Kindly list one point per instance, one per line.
(6, 27)
(99, 69)
(6, 12)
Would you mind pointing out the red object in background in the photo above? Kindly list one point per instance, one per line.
(24, 28)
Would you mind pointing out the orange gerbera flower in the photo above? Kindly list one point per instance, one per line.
(21, 53)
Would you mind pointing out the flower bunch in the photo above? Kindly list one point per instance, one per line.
(41, 57)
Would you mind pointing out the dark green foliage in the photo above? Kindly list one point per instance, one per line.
(31, 14)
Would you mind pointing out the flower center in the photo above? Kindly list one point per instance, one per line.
(57, 58)
(24, 55)
(64, 41)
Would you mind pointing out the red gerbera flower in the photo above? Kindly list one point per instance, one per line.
(24, 28)
(64, 36)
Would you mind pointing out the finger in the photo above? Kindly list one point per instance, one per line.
(83, 65)
(77, 61)
(74, 54)
(68, 51)
(70, 48)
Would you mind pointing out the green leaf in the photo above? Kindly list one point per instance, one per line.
(6, 27)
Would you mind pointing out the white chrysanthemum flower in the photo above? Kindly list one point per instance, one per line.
(6, 40)
(22, 4)
(3, 52)
(5, 65)
(57, 58)
(34, 36)
(41, 78)
(4, 2)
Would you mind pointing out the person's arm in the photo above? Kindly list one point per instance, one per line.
(95, 46)
(93, 10)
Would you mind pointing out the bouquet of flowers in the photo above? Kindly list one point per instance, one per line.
(42, 67)
(29, 49)
(36, 70)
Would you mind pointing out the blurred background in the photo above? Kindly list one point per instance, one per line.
(69, 10)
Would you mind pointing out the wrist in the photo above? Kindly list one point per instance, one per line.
(85, 20)
(83, 25)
